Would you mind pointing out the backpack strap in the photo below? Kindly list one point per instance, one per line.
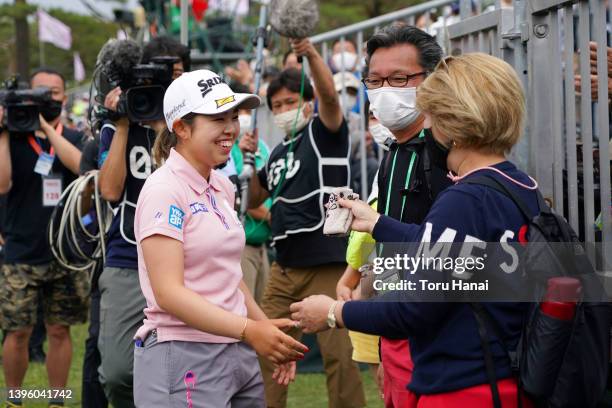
(484, 320)
(427, 169)
(480, 315)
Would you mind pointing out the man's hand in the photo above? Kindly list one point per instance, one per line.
(45, 126)
(312, 313)
(242, 73)
(302, 47)
(1, 240)
(249, 142)
(112, 99)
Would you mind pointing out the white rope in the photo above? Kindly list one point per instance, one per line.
(73, 245)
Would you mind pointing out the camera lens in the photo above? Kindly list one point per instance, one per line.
(145, 103)
(141, 102)
(22, 118)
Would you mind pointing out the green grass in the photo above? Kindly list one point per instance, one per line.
(308, 391)
(36, 377)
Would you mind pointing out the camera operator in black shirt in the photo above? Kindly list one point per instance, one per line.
(34, 169)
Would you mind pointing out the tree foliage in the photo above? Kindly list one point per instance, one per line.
(339, 13)
(90, 33)
(88, 36)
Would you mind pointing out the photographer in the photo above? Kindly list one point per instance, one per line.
(33, 169)
(125, 161)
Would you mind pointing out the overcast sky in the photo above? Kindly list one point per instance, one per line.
(104, 7)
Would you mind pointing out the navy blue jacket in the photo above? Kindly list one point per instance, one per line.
(443, 336)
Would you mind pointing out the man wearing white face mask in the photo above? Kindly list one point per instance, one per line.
(413, 169)
(301, 171)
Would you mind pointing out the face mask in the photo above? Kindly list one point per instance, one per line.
(395, 108)
(381, 135)
(438, 153)
(245, 124)
(351, 100)
(349, 61)
(286, 120)
(51, 110)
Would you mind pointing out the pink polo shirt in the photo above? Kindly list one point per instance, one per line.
(177, 202)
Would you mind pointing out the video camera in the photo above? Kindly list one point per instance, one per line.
(22, 106)
(143, 90)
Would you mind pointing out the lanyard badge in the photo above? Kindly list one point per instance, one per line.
(44, 164)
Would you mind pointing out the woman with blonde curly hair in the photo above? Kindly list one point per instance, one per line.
(475, 108)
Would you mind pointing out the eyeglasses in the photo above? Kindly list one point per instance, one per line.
(396, 81)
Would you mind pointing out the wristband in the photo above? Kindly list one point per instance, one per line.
(243, 332)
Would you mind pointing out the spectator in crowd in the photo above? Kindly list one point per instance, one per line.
(312, 159)
(344, 56)
(347, 87)
(200, 315)
(33, 170)
(411, 174)
(290, 60)
(125, 163)
(475, 107)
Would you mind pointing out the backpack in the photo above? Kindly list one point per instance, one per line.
(578, 375)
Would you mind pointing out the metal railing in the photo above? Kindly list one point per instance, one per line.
(567, 136)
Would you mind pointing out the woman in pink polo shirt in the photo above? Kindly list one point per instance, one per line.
(202, 324)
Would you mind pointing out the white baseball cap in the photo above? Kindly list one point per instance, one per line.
(345, 80)
(203, 92)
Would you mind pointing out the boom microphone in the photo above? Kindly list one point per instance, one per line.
(114, 66)
(125, 55)
(294, 18)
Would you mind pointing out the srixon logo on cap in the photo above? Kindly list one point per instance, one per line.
(206, 85)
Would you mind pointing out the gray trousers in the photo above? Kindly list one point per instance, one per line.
(121, 313)
(196, 375)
